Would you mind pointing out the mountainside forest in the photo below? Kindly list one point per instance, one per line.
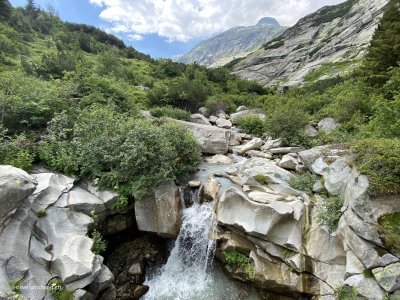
(71, 98)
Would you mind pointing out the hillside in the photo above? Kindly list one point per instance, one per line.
(233, 43)
(336, 35)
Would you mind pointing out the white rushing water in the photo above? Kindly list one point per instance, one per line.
(189, 273)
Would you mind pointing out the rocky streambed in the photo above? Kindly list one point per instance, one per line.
(238, 209)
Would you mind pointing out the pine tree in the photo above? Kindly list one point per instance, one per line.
(384, 51)
(5, 10)
(31, 8)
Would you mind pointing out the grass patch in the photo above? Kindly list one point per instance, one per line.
(99, 244)
(329, 212)
(324, 69)
(240, 260)
(260, 178)
(58, 290)
(344, 292)
(303, 182)
(389, 225)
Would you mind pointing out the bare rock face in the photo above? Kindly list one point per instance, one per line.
(315, 40)
(15, 185)
(46, 238)
(160, 212)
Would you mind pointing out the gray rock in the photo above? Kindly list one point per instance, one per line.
(199, 119)
(160, 211)
(288, 162)
(366, 287)
(337, 176)
(211, 189)
(15, 185)
(319, 167)
(219, 159)
(204, 111)
(318, 187)
(270, 144)
(255, 153)
(308, 157)
(254, 144)
(213, 140)
(223, 123)
(310, 131)
(241, 108)
(327, 125)
(286, 150)
(388, 277)
(213, 119)
(83, 295)
(353, 265)
(235, 138)
(102, 281)
(145, 114)
(278, 222)
(235, 117)
(194, 183)
(265, 198)
(135, 269)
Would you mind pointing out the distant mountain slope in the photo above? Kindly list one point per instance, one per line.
(234, 43)
(334, 38)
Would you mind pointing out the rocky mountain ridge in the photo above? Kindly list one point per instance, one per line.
(331, 39)
(233, 43)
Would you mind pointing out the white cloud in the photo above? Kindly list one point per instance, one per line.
(135, 37)
(183, 20)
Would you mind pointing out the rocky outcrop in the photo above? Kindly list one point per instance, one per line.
(15, 185)
(213, 140)
(160, 211)
(46, 237)
(332, 36)
(236, 42)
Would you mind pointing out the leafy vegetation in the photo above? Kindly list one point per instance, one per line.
(171, 112)
(329, 211)
(379, 159)
(99, 244)
(240, 260)
(252, 125)
(304, 182)
(344, 292)
(390, 225)
(41, 213)
(329, 13)
(58, 291)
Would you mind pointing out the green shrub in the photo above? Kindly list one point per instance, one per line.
(171, 112)
(329, 211)
(260, 178)
(42, 213)
(216, 103)
(15, 151)
(379, 159)
(99, 244)
(287, 122)
(389, 228)
(120, 152)
(303, 182)
(344, 292)
(240, 260)
(252, 125)
(58, 291)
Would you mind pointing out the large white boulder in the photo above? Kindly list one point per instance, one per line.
(160, 212)
(213, 140)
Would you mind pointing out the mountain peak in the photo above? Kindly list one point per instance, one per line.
(268, 21)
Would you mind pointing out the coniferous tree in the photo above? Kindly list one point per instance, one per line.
(5, 10)
(31, 8)
(384, 52)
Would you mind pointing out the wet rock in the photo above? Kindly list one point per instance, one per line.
(140, 291)
(194, 183)
(135, 269)
(211, 189)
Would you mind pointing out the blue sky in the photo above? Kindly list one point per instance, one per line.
(167, 28)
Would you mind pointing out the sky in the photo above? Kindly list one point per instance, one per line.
(168, 28)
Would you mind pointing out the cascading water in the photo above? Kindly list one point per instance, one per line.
(189, 273)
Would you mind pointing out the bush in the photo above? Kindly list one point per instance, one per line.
(303, 182)
(240, 260)
(329, 212)
(15, 151)
(220, 102)
(58, 290)
(344, 292)
(287, 122)
(171, 112)
(389, 229)
(99, 244)
(379, 159)
(42, 213)
(252, 125)
(119, 152)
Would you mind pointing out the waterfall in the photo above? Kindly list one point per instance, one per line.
(187, 273)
